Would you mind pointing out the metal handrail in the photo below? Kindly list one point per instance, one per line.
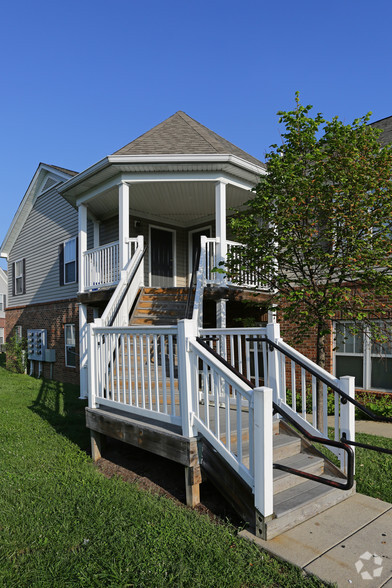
(325, 380)
(345, 398)
(340, 444)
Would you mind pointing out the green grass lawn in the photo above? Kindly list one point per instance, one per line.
(62, 523)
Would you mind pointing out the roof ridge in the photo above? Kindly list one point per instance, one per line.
(148, 133)
(196, 126)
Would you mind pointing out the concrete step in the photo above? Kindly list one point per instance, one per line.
(301, 502)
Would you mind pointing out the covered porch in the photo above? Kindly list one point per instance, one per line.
(166, 213)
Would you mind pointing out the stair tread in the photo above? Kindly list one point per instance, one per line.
(298, 496)
(300, 461)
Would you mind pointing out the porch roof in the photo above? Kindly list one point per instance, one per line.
(179, 148)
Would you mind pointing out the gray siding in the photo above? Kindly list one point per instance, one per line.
(51, 221)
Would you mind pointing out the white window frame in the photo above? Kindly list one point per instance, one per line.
(367, 356)
(19, 332)
(69, 261)
(3, 302)
(19, 276)
(69, 345)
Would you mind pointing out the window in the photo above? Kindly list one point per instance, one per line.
(3, 302)
(18, 332)
(70, 261)
(369, 361)
(70, 350)
(19, 277)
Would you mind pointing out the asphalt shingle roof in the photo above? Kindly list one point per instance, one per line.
(181, 134)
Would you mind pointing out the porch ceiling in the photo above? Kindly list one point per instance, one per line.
(178, 203)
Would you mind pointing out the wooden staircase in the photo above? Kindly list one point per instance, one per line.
(296, 499)
(160, 306)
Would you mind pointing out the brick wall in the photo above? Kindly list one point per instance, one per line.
(53, 317)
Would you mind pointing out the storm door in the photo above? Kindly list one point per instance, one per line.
(161, 257)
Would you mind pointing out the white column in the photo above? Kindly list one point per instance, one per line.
(220, 223)
(83, 350)
(123, 208)
(263, 454)
(82, 214)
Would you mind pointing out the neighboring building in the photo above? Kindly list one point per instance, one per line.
(40, 294)
(3, 304)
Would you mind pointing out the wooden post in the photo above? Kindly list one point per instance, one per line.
(263, 458)
(192, 485)
(96, 445)
(347, 416)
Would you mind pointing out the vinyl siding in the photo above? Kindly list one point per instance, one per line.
(51, 221)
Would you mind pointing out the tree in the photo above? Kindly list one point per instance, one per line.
(318, 231)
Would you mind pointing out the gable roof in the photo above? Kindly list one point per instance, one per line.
(181, 134)
(385, 124)
(37, 186)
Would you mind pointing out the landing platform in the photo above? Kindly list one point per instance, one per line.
(349, 544)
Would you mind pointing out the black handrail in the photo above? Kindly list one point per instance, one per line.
(345, 397)
(189, 308)
(110, 323)
(340, 444)
(325, 380)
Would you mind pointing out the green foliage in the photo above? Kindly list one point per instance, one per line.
(319, 228)
(15, 349)
(330, 401)
(380, 405)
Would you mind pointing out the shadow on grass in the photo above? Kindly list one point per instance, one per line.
(59, 405)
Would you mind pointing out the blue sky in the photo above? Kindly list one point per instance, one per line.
(80, 79)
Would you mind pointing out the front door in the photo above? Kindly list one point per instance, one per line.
(161, 256)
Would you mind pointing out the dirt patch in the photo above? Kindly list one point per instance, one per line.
(161, 476)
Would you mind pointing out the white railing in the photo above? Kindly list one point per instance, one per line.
(135, 370)
(235, 346)
(101, 266)
(243, 277)
(295, 386)
(165, 374)
(117, 311)
(210, 260)
(227, 425)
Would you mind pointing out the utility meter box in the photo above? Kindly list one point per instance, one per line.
(50, 355)
(36, 344)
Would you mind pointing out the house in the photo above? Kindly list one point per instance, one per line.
(112, 281)
(3, 304)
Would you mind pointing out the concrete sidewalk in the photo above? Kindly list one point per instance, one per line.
(350, 543)
(368, 427)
